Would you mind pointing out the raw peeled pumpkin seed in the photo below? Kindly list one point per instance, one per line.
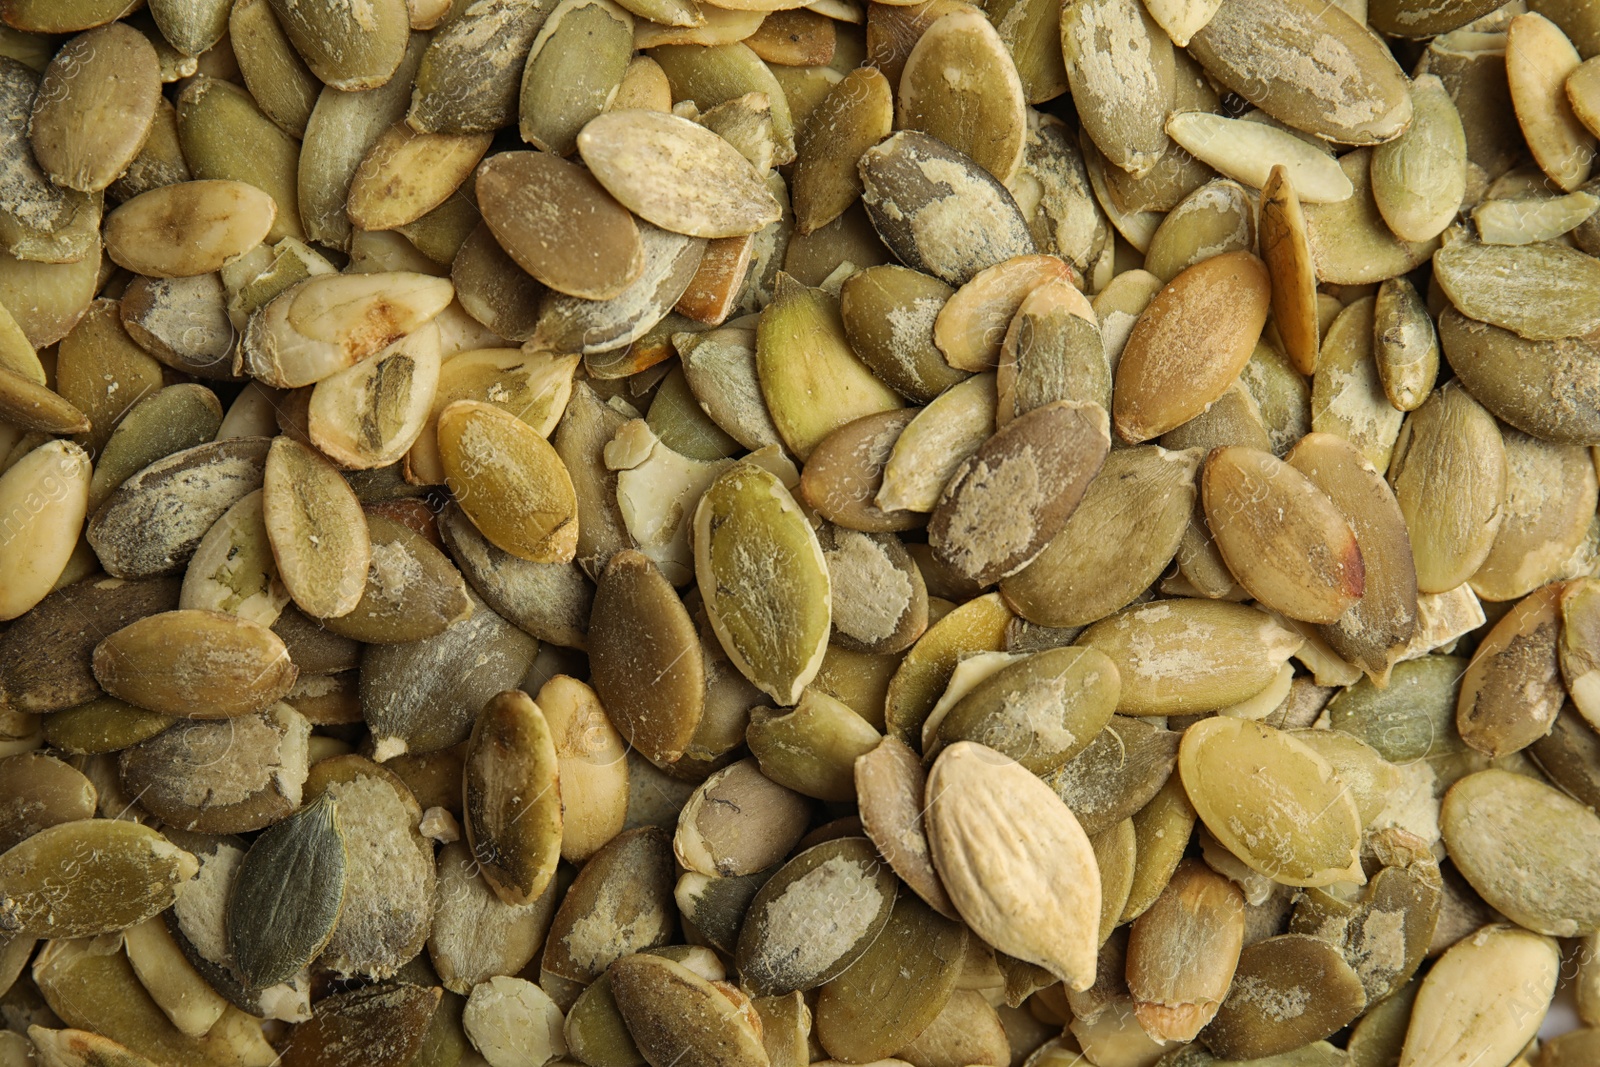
(649, 533)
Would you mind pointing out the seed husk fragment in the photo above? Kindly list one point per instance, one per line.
(196, 664)
(89, 877)
(1006, 502)
(1014, 860)
(815, 917)
(773, 622)
(288, 895)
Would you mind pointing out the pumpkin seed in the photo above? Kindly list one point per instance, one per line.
(1482, 356)
(1011, 497)
(196, 664)
(890, 787)
(934, 444)
(569, 324)
(317, 530)
(812, 748)
(134, 871)
(1350, 242)
(815, 917)
(960, 85)
(1539, 57)
(462, 86)
(216, 121)
(1522, 845)
(574, 68)
(890, 316)
(1182, 953)
(1117, 775)
(424, 696)
(1499, 285)
(1189, 344)
(1353, 92)
(1542, 525)
(856, 114)
(1452, 521)
(1487, 994)
(1347, 397)
(643, 648)
(738, 822)
(411, 592)
(509, 481)
(233, 776)
(347, 48)
(388, 1022)
(96, 103)
(1288, 991)
(288, 895)
(279, 80)
(673, 1013)
(745, 522)
(475, 934)
(620, 903)
(1123, 100)
(322, 325)
(938, 210)
(1280, 808)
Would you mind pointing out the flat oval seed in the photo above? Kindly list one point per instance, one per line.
(1190, 344)
(1542, 292)
(40, 791)
(1580, 646)
(509, 481)
(1511, 692)
(347, 47)
(1373, 632)
(574, 69)
(1350, 242)
(934, 444)
(1115, 544)
(1420, 177)
(407, 174)
(37, 540)
(96, 103)
(815, 917)
(287, 895)
(570, 324)
(1549, 505)
(1016, 863)
(1281, 536)
(811, 378)
(896, 989)
(1449, 475)
(677, 1016)
(190, 228)
(233, 569)
(844, 474)
(1120, 67)
(1486, 998)
(1546, 388)
(1527, 848)
(959, 84)
(764, 579)
(855, 115)
(371, 414)
(889, 314)
(559, 224)
(1248, 151)
(195, 664)
(1288, 991)
(676, 174)
(1005, 503)
(412, 592)
(938, 210)
(1041, 711)
(512, 798)
(1182, 952)
(1539, 57)
(1406, 346)
(890, 788)
(222, 776)
(1271, 801)
(620, 903)
(739, 823)
(467, 80)
(89, 877)
(317, 529)
(971, 326)
(1308, 65)
(645, 654)
(178, 417)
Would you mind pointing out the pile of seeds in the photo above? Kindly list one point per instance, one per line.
(738, 534)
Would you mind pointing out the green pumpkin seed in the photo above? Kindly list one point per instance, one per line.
(197, 664)
(566, 84)
(96, 102)
(959, 84)
(812, 748)
(134, 871)
(1350, 242)
(620, 903)
(464, 86)
(672, 1012)
(347, 48)
(856, 114)
(318, 532)
(815, 917)
(747, 517)
(1124, 100)
(1288, 991)
(570, 324)
(1516, 378)
(509, 481)
(1539, 57)
(224, 135)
